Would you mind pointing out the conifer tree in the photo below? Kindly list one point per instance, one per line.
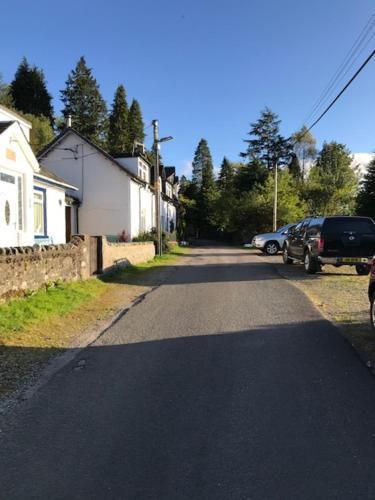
(366, 195)
(226, 176)
(202, 156)
(83, 101)
(207, 195)
(136, 125)
(118, 127)
(266, 143)
(295, 167)
(29, 91)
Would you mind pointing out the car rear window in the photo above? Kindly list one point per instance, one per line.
(342, 225)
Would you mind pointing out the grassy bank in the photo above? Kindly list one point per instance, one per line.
(43, 324)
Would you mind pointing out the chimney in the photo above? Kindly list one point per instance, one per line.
(69, 121)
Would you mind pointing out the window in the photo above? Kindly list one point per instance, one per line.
(40, 228)
(143, 171)
(7, 178)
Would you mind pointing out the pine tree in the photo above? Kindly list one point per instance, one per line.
(295, 167)
(266, 144)
(202, 156)
(366, 195)
(118, 129)
(136, 125)
(29, 91)
(226, 176)
(208, 193)
(83, 101)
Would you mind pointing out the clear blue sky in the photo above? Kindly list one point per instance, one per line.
(204, 68)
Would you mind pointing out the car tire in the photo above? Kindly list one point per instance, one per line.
(311, 265)
(271, 248)
(362, 269)
(372, 311)
(286, 258)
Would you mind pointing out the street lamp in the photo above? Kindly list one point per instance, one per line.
(157, 142)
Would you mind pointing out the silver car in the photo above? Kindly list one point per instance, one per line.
(271, 243)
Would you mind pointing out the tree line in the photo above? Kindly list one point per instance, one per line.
(239, 201)
(116, 130)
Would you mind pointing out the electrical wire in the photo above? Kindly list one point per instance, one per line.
(343, 90)
(347, 64)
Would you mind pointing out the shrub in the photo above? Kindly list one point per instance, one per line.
(152, 236)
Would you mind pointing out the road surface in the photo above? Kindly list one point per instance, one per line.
(223, 383)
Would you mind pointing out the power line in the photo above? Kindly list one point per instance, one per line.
(343, 90)
(346, 64)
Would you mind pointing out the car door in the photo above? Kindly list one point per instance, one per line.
(299, 239)
(294, 239)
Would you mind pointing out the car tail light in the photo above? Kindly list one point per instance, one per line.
(321, 244)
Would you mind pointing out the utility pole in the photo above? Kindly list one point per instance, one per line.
(155, 125)
(275, 199)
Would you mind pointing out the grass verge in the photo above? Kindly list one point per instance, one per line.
(42, 325)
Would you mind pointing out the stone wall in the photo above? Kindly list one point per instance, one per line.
(125, 254)
(25, 269)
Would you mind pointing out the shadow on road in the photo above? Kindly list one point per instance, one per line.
(200, 417)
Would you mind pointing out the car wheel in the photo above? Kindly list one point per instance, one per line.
(286, 258)
(372, 312)
(271, 248)
(362, 269)
(311, 266)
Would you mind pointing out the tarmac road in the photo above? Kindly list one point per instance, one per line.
(223, 383)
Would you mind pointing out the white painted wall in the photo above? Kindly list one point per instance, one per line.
(12, 234)
(142, 209)
(55, 208)
(104, 188)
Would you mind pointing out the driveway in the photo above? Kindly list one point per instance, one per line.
(223, 383)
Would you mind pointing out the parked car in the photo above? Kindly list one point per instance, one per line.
(271, 243)
(338, 240)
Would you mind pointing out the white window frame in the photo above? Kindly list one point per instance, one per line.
(143, 171)
(42, 203)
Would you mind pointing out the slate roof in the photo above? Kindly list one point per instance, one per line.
(98, 148)
(44, 172)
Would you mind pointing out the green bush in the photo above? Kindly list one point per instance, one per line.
(152, 236)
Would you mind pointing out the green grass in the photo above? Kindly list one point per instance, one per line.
(19, 314)
(164, 259)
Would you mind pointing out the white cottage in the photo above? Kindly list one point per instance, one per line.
(114, 195)
(32, 204)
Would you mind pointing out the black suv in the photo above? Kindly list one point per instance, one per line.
(341, 241)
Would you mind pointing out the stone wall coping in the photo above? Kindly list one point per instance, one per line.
(128, 243)
(38, 249)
